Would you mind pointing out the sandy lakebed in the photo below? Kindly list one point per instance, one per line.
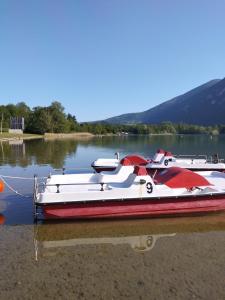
(111, 260)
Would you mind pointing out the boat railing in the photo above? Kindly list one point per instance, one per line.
(58, 185)
(197, 156)
(209, 159)
(215, 159)
(63, 170)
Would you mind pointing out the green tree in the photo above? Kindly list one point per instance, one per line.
(39, 121)
(58, 118)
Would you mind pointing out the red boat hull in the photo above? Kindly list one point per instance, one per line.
(135, 208)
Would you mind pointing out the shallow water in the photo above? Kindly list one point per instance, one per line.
(163, 258)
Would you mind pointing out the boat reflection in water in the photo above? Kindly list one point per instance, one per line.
(140, 235)
(140, 243)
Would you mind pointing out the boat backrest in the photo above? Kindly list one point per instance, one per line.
(130, 180)
(158, 157)
(135, 176)
(139, 173)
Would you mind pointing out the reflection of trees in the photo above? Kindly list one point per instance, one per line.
(55, 152)
(14, 155)
(51, 152)
(39, 152)
(148, 144)
(143, 144)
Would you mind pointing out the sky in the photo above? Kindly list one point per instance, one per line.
(102, 58)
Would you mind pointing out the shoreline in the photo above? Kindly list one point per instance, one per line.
(5, 137)
(74, 135)
(25, 136)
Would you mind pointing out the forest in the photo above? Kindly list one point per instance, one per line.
(53, 119)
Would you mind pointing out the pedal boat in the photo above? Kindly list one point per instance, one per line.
(111, 164)
(171, 191)
(123, 170)
(165, 159)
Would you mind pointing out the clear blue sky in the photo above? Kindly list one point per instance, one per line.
(102, 58)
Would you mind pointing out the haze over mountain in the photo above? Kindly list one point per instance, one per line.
(203, 105)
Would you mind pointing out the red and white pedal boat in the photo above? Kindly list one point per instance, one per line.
(111, 164)
(171, 191)
(162, 160)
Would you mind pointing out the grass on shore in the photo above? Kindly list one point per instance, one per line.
(6, 135)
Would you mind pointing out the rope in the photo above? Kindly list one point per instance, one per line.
(26, 178)
(14, 177)
(66, 169)
(12, 189)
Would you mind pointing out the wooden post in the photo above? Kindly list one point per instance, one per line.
(1, 122)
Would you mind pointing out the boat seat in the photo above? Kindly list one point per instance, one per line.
(126, 184)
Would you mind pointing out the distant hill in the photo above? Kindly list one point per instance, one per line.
(204, 105)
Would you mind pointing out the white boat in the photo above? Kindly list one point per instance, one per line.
(164, 159)
(171, 191)
(111, 164)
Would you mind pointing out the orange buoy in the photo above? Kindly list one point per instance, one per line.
(2, 219)
(1, 186)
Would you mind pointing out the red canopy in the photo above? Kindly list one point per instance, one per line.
(175, 177)
(133, 160)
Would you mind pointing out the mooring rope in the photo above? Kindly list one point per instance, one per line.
(12, 189)
(17, 177)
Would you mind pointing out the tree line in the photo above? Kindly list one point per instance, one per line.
(53, 119)
(40, 119)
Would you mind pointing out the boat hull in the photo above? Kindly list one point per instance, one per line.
(135, 207)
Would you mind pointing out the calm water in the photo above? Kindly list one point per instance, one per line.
(174, 258)
(43, 157)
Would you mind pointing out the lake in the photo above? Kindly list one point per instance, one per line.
(163, 258)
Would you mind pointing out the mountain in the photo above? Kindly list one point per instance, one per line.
(203, 105)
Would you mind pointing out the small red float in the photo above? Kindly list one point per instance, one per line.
(1, 186)
(2, 219)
